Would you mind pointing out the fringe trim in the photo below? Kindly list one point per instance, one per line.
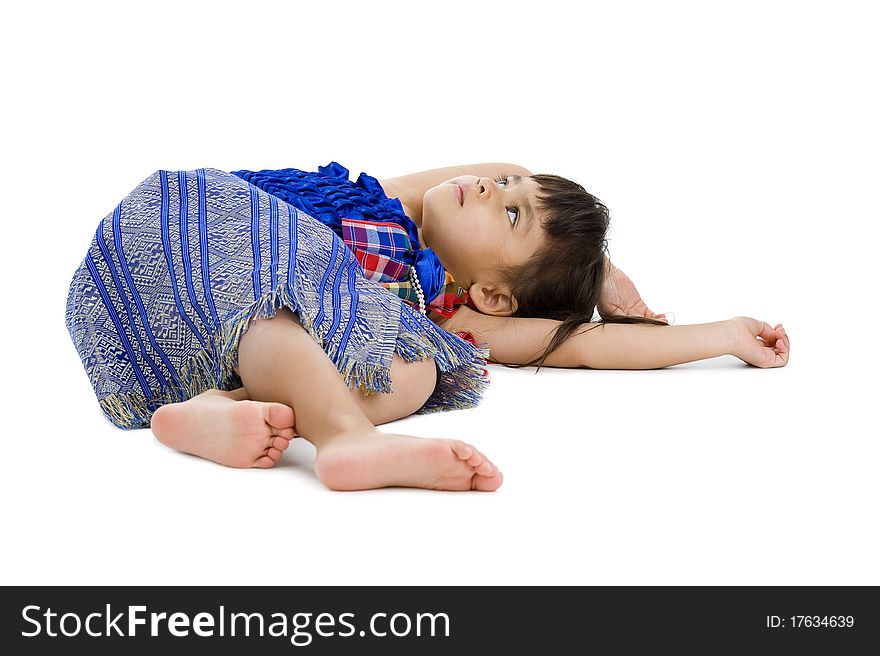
(462, 382)
(463, 378)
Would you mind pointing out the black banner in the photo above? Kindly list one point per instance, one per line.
(439, 620)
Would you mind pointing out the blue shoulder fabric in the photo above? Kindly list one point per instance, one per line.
(328, 195)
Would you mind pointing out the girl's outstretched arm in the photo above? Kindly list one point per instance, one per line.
(516, 340)
(644, 346)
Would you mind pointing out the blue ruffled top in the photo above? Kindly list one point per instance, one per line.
(328, 195)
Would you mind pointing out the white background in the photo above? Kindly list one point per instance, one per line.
(737, 147)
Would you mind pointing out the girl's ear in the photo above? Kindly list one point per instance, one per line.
(492, 300)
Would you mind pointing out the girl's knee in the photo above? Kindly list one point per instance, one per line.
(264, 335)
(412, 382)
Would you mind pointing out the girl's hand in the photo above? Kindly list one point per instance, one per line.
(756, 343)
(620, 296)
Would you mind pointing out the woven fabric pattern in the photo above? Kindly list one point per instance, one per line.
(179, 269)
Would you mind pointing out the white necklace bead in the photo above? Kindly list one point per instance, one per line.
(418, 286)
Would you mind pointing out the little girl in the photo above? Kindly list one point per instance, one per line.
(173, 311)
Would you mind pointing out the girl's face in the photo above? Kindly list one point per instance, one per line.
(493, 224)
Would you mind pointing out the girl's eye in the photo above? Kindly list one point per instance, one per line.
(514, 208)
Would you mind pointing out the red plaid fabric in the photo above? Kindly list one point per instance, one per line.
(379, 249)
(450, 297)
(377, 246)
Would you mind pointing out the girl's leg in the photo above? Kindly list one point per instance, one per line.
(413, 383)
(279, 362)
(254, 434)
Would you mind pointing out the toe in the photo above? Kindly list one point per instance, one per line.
(486, 468)
(279, 415)
(462, 450)
(487, 483)
(476, 459)
(280, 443)
(283, 432)
(264, 462)
(274, 453)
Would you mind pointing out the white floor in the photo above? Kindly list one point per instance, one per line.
(710, 472)
(752, 192)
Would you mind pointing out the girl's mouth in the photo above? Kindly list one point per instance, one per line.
(459, 191)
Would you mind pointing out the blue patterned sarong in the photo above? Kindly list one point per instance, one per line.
(186, 261)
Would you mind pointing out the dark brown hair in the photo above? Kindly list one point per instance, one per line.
(564, 279)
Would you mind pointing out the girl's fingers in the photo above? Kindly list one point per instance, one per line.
(783, 338)
(781, 352)
(762, 329)
(782, 343)
(773, 342)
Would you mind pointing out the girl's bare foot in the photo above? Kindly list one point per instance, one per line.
(373, 460)
(226, 428)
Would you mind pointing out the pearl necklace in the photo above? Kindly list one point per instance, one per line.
(418, 286)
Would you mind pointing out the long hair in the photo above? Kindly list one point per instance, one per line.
(563, 281)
